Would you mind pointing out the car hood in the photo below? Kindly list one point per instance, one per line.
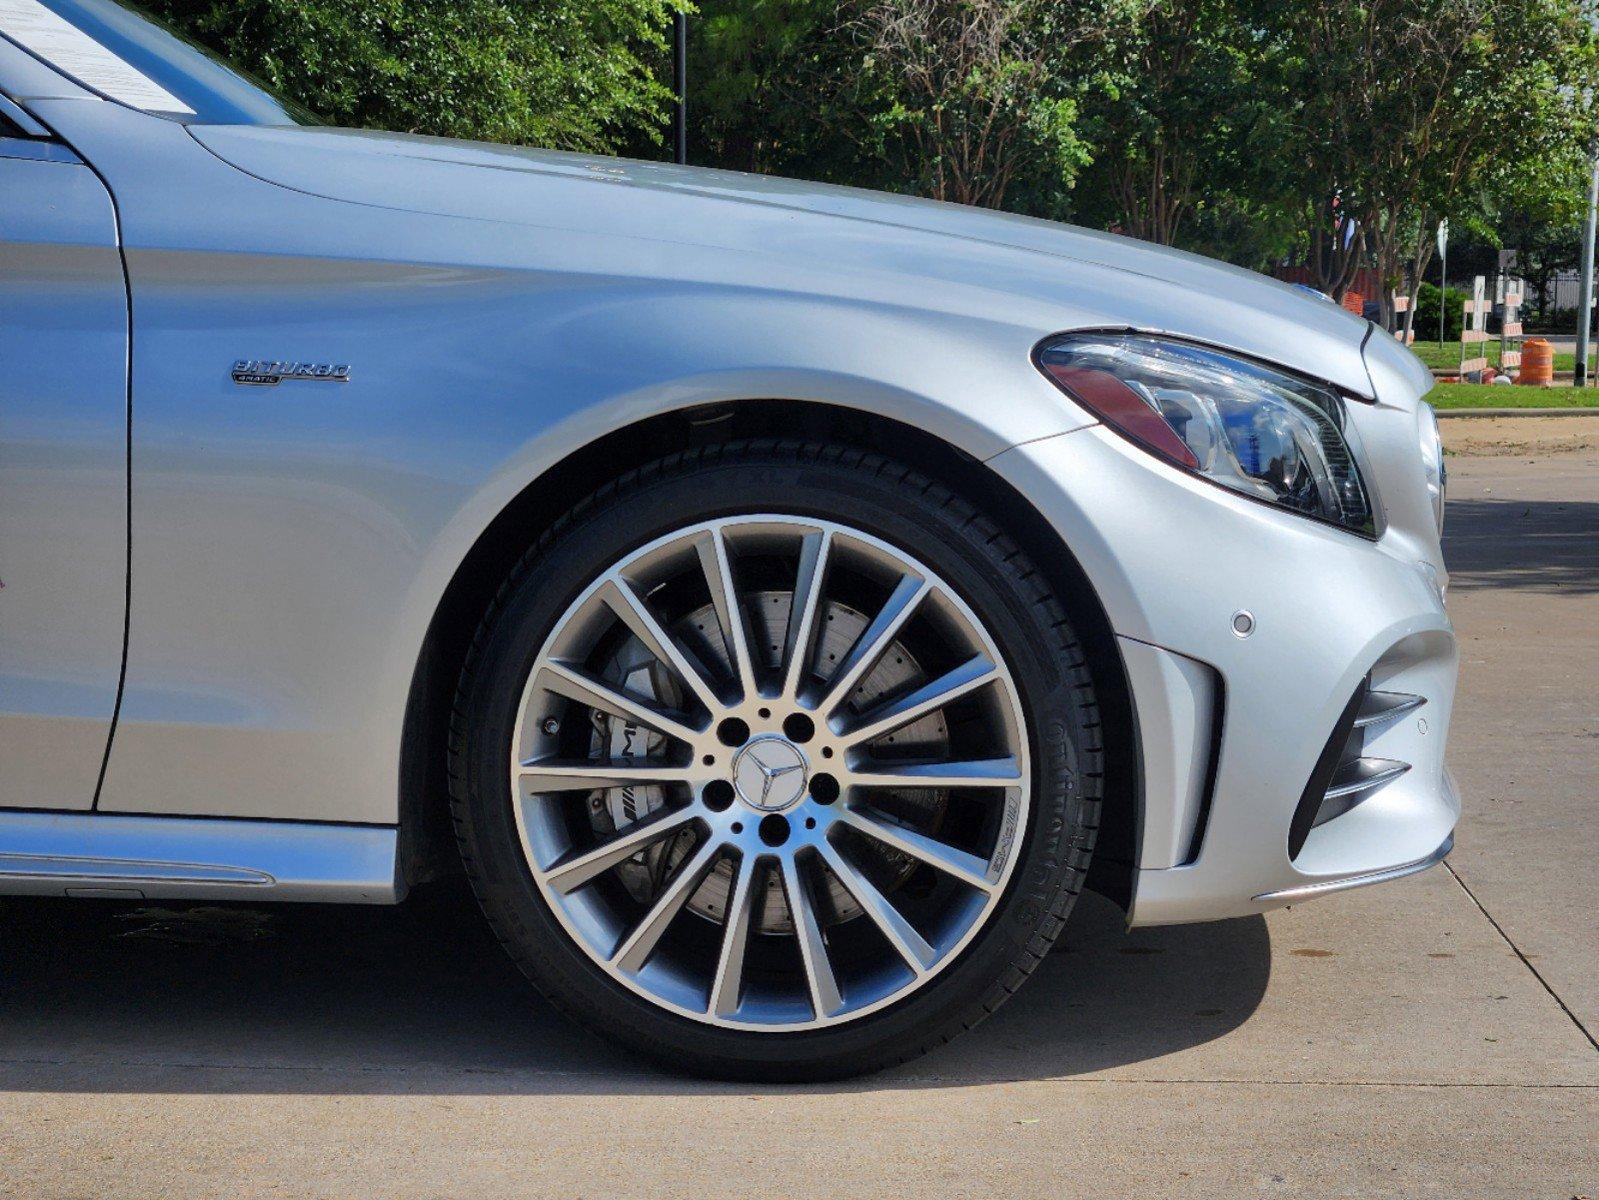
(1062, 277)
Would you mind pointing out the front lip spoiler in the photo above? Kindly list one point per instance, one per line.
(1310, 890)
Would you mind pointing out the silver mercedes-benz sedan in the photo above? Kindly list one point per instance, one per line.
(780, 600)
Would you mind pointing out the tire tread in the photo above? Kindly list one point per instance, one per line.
(1051, 616)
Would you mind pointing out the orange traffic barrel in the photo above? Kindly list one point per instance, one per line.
(1537, 362)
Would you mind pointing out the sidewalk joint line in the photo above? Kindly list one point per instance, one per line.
(1525, 961)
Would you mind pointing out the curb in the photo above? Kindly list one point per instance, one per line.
(1589, 411)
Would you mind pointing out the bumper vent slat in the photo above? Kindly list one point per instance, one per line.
(1362, 775)
(1354, 780)
(1345, 775)
(1381, 707)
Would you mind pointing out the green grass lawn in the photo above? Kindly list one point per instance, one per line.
(1446, 356)
(1481, 395)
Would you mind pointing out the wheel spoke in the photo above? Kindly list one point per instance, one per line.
(875, 639)
(987, 772)
(819, 981)
(815, 550)
(975, 672)
(582, 774)
(875, 648)
(572, 872)
(637, 947)
(729, 978)
(718, 567)
(941, 856)
(629, 606)
(574, 683)
(912, 947)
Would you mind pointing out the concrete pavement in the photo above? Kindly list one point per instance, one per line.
(1429, 1037)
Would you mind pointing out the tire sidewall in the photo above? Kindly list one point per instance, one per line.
(908, 512)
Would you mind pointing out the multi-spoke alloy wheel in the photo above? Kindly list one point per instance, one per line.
(769, 772)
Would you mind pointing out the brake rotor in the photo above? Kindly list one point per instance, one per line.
(634, 668)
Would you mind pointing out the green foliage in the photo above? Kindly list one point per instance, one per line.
(1236, 227)
(1224, 126)
(1410, 109)
(1179, 121)
(1478, 395)
(772, 89)
(575, 74)
(1427, 313)
(970, 100)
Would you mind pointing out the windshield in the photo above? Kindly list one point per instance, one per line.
(127, 55)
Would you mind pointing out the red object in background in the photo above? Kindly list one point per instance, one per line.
(1355, 302)
(1366, 281)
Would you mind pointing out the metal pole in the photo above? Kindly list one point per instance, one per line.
(680, 85)
(1579, 377)
(1443, 289)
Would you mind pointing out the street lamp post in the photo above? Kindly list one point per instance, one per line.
(1443, 276)
(680, 86)
(1579, 377)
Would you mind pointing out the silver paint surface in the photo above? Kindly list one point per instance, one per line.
(501, 309)
(63, 422)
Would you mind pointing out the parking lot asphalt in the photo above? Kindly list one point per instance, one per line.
(1434, 1036)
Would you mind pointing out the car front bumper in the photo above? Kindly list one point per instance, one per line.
(1231, 725)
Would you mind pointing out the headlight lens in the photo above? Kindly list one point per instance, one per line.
(1432, 462)
(1269, 435)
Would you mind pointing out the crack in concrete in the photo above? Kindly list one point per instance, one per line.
(1525, 961)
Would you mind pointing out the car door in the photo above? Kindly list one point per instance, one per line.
(63, 470)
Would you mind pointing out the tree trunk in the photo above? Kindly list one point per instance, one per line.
(1418, 265)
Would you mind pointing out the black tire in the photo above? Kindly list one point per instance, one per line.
(903, 507)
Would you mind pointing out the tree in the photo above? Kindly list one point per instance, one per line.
(772, 89)
(964, 102)
(973, 101)
(1180, 121)
(574, 74)
(1402, 103)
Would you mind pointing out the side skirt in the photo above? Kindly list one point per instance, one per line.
(114, 856)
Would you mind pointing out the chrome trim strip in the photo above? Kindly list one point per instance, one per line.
(81, 867)
(1311, 890)
(1363, 775)
(1382, 707)
(57, 854)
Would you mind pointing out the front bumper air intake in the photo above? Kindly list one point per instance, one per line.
(1344, 774)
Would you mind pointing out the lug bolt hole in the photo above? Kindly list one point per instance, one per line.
(765, 713)
(799, 728)
(718, 794)
(738, 826)
(774, 829)
(732, 732)
(824, 788)
(709, 759)
(827, 752)
(810, 822)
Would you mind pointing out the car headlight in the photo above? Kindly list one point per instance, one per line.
(1432, 462)
(1264, 433)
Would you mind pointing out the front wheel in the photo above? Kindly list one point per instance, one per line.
(776, 761)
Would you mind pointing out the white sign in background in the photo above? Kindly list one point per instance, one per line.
(66, 47)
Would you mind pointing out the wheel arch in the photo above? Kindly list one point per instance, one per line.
(426, 839)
